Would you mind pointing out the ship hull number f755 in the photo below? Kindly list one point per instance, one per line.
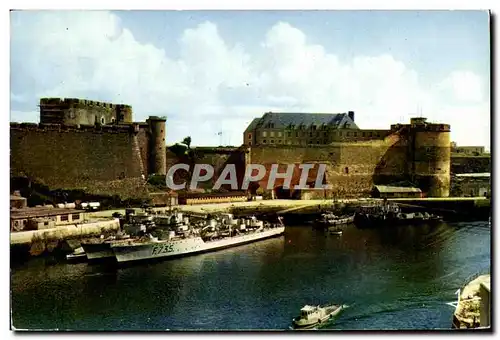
(162, 249)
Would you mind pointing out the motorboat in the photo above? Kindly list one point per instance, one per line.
(330, 219)
(312, 316)
(77, 255)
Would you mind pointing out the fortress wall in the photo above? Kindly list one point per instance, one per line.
(86, 158)
(216, 157)
(351, 168)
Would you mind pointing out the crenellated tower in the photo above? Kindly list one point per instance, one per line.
(429, 153)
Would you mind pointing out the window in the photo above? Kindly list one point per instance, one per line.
(46, 223)
(272, 141)
(249, 136)
(279, 142)
(113, 120)
(102, 120)
(289, 134)
(264, 141)
(296, 133)
(272, 134)
(264, 133)
(363, 134)
(371, 134)
(348, 133)
(346, 170)
(280, 134)
(310, 134)
(317, 142)
(250, 143)
(75, 217)
(355, 134)
(64, 217)
(313, 127)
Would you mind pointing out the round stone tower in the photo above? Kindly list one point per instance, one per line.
(157, 151)
(123, 113)
(430, 149)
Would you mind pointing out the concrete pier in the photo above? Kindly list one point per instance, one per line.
(37, 242)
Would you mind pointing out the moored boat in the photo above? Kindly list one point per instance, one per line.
(335, 231)
(215, 235)
(77, 255)
(312, 316)
(330, 219)
(390, 215)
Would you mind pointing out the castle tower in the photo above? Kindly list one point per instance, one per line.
(430, 155)
(157, 151)
(74, 111)
(123, 113)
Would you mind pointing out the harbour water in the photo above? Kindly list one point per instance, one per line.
(392, 278)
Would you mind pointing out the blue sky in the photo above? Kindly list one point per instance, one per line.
(211, 71)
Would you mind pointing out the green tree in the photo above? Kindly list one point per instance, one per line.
(187, 141)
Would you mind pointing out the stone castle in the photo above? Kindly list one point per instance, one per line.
(95, 146)
(89, 145)
(415, 154)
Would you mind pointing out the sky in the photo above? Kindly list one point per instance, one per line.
(214, 71)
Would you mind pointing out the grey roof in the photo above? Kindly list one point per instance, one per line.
(253, 124)
(285, 119)
(386, 188)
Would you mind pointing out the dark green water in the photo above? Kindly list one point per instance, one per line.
(394, 278)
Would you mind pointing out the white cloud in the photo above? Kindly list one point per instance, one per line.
(214, 86)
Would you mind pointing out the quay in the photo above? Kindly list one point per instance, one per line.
(286, 206)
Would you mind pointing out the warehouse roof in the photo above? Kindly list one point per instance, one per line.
(478, 174)
(41, 212)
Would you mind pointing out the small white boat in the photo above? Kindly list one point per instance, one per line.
(77, 255)
(312, 316)
(336, 232)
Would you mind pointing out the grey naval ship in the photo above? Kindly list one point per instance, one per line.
(213, 234)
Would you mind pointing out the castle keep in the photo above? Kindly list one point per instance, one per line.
(89, 145)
